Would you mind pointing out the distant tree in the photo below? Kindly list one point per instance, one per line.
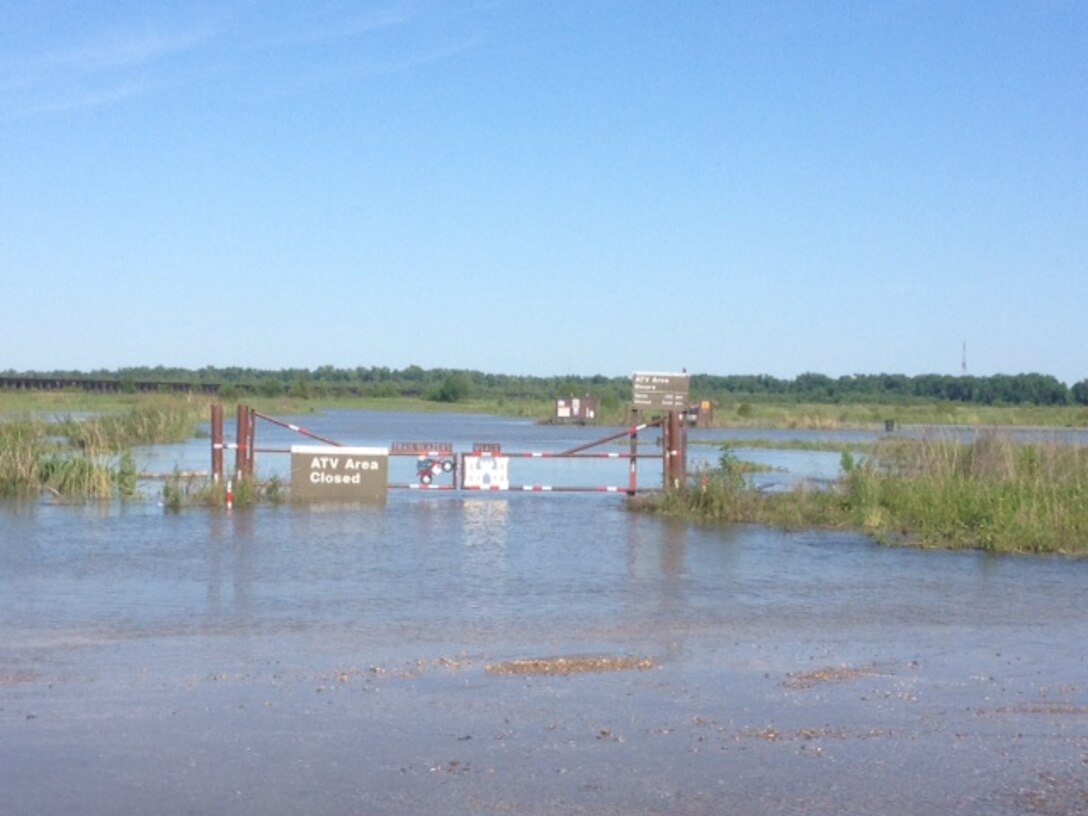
(569, 387)
(300, 388)
(895, 383)
(454, 388)
(1043, 389)
(271, 387)
(814, 386)
(1080, 392)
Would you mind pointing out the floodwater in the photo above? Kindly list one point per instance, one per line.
(335, 660)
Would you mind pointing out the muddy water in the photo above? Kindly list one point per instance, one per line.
(335, 660)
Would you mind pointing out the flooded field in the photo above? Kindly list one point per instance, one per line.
(524, 653)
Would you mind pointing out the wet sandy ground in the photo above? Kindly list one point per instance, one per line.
(708, 721)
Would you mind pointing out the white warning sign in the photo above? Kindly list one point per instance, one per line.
(487, 472)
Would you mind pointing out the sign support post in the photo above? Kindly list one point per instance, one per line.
(668, 392)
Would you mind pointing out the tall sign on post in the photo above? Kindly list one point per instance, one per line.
(670, 393)
(654, 391)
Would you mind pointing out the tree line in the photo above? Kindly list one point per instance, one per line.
(456, 385)
(997, 389)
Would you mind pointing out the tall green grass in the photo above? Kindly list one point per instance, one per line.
(34, 461)
(769, 413)
(23, 446)
(78, 459)
(994, 494)
(181, 491)
(146, 423)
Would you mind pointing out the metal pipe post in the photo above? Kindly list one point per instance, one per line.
(217, 442)
(676, 455)
(668, 444)
(251, 453)
(241, 438)
(678, 444)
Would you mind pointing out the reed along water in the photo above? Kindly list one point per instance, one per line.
(414, 656)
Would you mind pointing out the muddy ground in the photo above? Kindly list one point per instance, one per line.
(204, 723)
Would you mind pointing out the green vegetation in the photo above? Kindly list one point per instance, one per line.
(85, 459)
(1034, 389)
(80, 459)
(782, 444)
(34, 461)
(182, 490)
(740, 398)
(753, 412)
(767, 413)
(155, 421)
(993, 494)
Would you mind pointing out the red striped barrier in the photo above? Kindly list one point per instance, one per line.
(561, 455)
(544, 489)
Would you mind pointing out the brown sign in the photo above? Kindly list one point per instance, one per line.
(321, 473)
(660, 392)
(422, 447)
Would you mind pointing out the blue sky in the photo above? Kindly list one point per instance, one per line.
(546, 188)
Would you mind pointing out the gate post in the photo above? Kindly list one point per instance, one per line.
(242, 439)
(251, 447)
(217, 442)
(666, 452)
(675, 452)
(632, 483)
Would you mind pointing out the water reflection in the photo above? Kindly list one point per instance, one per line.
(484, 525)
(673, 550)
(483, 564)
(230, 567)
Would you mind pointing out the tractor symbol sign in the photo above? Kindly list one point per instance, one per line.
(428, 468)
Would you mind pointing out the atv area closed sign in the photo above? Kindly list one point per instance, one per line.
(320, 473)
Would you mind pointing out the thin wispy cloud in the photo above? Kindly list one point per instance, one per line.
(370, 67)
(318, 45)
(90, 99)
(306, 47)
(328, 27)
(113, 50)
(437, 54)
(104, 69)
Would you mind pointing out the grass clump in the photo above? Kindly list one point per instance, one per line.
(186, 490)
(34, 460)
(146, 423)
(719, 494)
(24, 446)
(80, 459)
(994, 494)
